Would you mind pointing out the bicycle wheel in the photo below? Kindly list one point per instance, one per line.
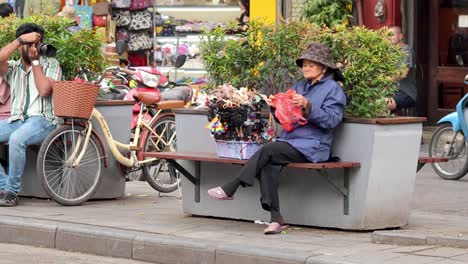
(161, 175)
(65, 184)
(445, 143)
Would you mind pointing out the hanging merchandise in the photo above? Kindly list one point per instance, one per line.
(122, 34)
(139, 41)
(140, 20)
(137, 59)
(121, 3)
(111, 26)
(139, 4)
(101, 8)
(84, 14)
(99, 21)
(122, 18)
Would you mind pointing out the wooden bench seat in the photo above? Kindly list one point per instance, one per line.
(423, 160)
(342, 186)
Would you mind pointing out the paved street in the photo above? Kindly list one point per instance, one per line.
(19, 254)
(144, 226)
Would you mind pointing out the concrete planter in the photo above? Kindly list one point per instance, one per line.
(118, 116)
(380, 191)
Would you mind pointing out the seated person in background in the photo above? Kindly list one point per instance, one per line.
(323, 103)
(4, 99)
(5, 11)
(406, 94)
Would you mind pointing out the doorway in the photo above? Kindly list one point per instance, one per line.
(447, 55)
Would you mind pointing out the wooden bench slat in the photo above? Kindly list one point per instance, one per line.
(427, 159)
(212, 157)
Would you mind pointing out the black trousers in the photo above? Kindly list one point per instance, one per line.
(266, 166)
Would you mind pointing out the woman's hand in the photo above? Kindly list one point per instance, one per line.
(299, 100)
(269, 100)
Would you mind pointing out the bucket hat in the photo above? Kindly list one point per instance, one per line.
(317, 52)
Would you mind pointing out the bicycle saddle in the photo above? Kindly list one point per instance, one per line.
(147, 97)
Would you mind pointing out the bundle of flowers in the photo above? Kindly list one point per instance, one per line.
(236, 115)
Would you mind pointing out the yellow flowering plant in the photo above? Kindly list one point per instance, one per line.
(261, 58)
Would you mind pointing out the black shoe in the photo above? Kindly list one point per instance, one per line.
(9, 199)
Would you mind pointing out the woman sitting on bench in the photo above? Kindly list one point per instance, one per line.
(323, 103)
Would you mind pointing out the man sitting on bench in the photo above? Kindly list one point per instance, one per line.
(32, 117)
(323, 102)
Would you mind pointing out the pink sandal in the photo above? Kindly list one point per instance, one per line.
(218, 194)
(275, 228)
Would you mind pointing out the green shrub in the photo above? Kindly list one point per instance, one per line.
(327, 12)
(74, 50)
(263, 58)
(368, 61)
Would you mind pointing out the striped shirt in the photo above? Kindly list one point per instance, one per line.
(25, 98)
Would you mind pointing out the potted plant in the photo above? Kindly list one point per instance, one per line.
(387, 147)
(74, 50)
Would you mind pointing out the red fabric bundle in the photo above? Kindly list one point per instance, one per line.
(287, 113)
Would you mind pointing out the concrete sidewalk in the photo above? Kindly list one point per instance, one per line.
(144, 226)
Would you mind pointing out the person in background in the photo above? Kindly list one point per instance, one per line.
(406, 94)
(245, 16)
(323, 104)
(5, 10)
(32, 117)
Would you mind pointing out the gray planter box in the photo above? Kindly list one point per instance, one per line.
(118, 116)
(380, 191)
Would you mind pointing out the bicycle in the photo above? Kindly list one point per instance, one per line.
(70, 159)
(164, 178)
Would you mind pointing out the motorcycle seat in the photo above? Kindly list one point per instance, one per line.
(182, 93)
(170, 104)
(147, 97)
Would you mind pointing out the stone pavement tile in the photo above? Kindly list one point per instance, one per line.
(463, 258)
(95, 240)
(21, 231)
(359, 258)
(397, 238)
(410, 249)
(448, 261)
(461, 242)
(166, 249)
(238, 253)
(356, 249)
(444, 252)
(412, 259)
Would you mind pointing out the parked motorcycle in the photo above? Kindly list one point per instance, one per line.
(449, 141)
(148, 79)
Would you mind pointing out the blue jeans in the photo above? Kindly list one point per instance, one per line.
(19, 135)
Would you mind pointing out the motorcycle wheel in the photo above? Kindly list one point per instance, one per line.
(446, 143)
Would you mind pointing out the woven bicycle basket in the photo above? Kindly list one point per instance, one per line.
(74, 99)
